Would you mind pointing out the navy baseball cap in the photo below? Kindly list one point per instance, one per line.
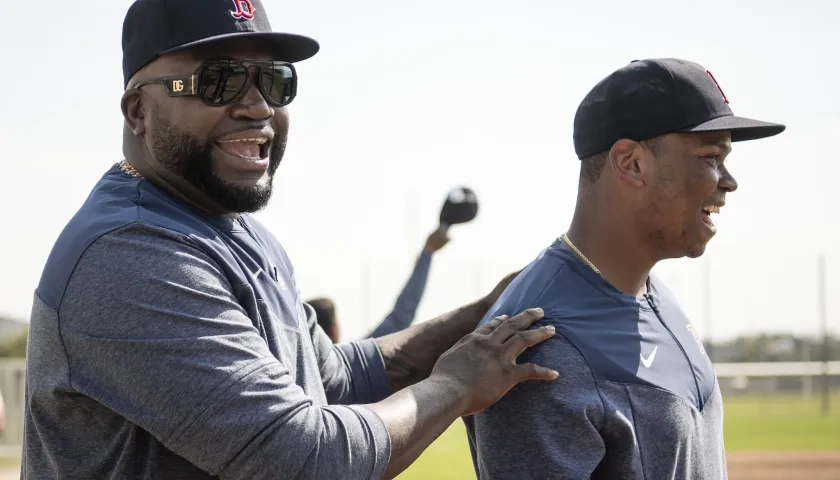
(156, 27)
(649, 98)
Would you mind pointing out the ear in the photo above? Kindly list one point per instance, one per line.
(132, 109)
(628, 163)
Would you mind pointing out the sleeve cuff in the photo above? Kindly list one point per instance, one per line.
(425, 258)
(381, 440)
(370, 381)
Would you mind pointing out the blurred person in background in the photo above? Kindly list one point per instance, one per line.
(637, 395)
(407, 302)
(168, 338)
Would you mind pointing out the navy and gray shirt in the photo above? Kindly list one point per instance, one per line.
(637, 397)
(169, 344)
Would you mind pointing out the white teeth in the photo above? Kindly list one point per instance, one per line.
(258, 141)
(711, 209)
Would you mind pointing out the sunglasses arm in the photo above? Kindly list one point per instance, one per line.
(181, 86)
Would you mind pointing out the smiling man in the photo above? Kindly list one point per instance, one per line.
(639, 396)
(168, 339)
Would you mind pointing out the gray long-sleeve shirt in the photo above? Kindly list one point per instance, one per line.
(637, 397)
(405, 308)
(167, 344)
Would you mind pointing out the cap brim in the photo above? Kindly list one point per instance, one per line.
(742, 128)
(286, 47)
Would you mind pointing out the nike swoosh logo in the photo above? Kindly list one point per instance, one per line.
(647, 362)
(258, 272)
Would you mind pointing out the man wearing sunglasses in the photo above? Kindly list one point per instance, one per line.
(168, 339)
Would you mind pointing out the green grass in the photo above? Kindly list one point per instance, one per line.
(780, 423)
(9, 462)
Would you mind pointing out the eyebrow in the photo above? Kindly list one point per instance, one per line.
(726, 147)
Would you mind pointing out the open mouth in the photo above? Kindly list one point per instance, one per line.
(254, 149)
(706, 214)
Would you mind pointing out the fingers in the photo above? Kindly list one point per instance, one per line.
(516, 323)
(488, 327)
(532, 371)
(526, 339)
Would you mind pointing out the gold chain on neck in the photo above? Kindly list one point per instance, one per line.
(129, 170)
(580, 254)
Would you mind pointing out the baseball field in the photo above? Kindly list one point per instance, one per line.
(767, 437)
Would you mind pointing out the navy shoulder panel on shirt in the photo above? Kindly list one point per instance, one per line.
(528, 287)
(116, 201)
(644, 341)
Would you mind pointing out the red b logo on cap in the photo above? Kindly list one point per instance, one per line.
(718, 85)
(244, 9)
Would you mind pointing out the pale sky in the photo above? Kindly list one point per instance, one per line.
(407, 99)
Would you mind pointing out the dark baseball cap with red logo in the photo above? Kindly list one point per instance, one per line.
(156, 27)
(649, 98)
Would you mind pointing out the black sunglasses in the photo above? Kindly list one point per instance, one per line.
(220, 82)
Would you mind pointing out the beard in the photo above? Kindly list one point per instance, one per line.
(185, 156)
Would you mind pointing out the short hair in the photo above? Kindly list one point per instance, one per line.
(324, 311)
(592, 166)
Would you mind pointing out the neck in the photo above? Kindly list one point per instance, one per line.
(178, 188)
(612, 244)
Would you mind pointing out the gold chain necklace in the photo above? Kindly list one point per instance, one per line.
(580, 254)
(129, 170)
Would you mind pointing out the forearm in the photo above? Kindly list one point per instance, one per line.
(410, 354)
(407, 302)
(415, 417)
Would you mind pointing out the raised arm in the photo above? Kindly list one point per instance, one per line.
(405, 308)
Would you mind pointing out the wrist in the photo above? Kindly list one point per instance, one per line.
(450, 389)
(483, 304)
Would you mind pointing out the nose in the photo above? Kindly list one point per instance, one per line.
(727, 182)
(252, 105)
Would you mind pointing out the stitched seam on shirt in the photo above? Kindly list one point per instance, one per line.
(135, 201)
(594, 382)
(551, 281)
(635, 430)
(60, 337)
(64, 291)
(684, 352)
(583, 277)
(658, 389)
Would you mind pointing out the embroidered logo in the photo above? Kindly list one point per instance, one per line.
(718, 86)
(696, 336)
(647, 362)
(244, 9)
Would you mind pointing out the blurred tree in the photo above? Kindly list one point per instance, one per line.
(776, 348)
